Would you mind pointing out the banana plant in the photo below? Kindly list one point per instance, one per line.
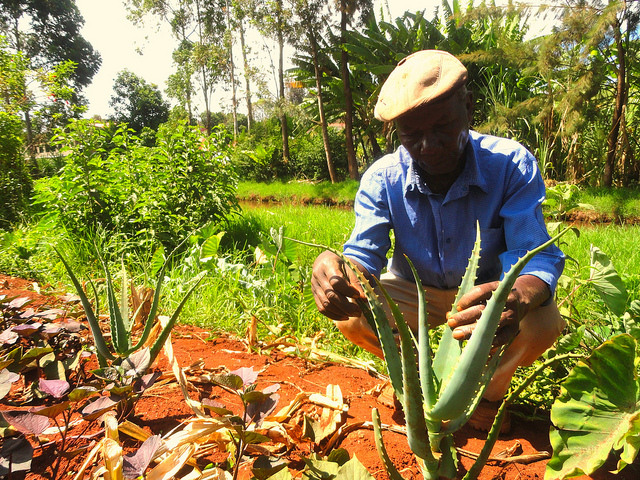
(439, 392)
(121, 322)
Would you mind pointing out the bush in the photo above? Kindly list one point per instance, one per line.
(15, 181)
(111, 181)
(260, 160)
(309, 160)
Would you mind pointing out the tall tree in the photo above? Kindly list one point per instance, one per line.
(48, 34)
(624, 24)
(200, 27)
(238, 21)
(310, 14)
(138, 103)
(274, 21)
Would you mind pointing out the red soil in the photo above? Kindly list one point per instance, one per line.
(163, 408)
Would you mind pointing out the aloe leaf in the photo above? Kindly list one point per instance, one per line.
(425, 368)
(124, 302)
(464, 383)
(385, 334)
(155, 349)
(598, 411)
(156, 299)
(413, 403)
(391, 469)
(456, 424)
(119, 334)
(98, 338)
(449, 349)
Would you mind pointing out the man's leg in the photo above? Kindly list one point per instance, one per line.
(538, 331)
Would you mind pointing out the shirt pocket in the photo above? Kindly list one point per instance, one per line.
(492, 244)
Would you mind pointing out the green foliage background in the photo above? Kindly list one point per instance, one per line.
(112, 182)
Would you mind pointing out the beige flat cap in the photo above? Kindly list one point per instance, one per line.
(421, 78)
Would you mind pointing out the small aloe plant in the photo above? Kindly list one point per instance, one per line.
(121, 322)
(440, 392)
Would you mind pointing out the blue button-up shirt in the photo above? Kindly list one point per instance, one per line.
(500, 187)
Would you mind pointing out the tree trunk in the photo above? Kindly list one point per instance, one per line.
(205, 84)
(283, 116)
(323, 121)
(234, 97)
(376, 151)
(247, 77)
(621, 93)
(348, 97)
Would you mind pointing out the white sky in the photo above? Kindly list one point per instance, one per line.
(147, 53)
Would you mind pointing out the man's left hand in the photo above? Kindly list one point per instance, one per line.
(528, 292)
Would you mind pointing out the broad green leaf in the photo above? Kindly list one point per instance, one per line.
(283, 474)
(317, 469)
(157, 260)
(210, 246)
(15, 456)
(598, 411)
(353, 470)
(607, 282)
(266, 467)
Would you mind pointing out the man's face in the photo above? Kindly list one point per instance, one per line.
(436, 135)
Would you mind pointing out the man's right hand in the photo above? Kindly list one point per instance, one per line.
(335, 286)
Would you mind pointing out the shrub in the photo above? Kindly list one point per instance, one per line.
(260, 160)
(112, 181)
(308, 158)
(15, 181)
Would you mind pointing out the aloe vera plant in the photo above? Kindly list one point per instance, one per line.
(440, 392)
(121, 322)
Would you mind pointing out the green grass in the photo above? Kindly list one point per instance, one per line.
(238, 287)
(616, 202)
(341, 193)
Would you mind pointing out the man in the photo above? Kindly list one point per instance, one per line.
(431, 192)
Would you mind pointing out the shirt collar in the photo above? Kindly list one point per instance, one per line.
(471, 175)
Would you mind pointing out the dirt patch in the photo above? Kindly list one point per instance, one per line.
(163, 408)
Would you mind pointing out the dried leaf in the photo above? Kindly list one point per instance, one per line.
(247, 374)
(26, 422)
(55, 388)
(112, 453)
(98, 407)
(15, 455)
(6, 379)
(137, 462)
(166, 469)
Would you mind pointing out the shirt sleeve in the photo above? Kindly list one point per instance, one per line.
(369, 241)
(524, 226)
